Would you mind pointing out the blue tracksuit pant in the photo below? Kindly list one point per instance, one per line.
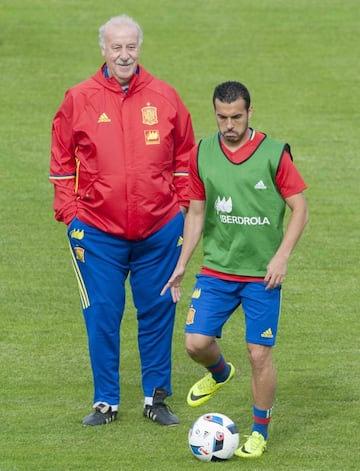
(102, 263)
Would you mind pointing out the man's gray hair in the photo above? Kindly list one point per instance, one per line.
(120, 21)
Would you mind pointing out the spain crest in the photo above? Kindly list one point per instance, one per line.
(149, 114)
(80, 254)
(190, 316)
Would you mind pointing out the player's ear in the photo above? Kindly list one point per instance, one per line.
(250, 111)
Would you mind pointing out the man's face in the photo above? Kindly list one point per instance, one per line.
(121, 52)
(233, 121)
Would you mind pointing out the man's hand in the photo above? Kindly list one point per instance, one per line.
(174, 284)
(276, 271)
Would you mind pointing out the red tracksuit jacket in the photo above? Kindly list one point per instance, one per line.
(119, 161)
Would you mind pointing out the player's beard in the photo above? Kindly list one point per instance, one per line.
(233, 137)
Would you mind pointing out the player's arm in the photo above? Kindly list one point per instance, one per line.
(63, 164)
(193, 228)
(184, 141)
(277, 267)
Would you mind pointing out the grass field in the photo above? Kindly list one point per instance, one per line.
(300, 60)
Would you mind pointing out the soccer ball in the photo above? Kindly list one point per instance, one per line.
(213, 437)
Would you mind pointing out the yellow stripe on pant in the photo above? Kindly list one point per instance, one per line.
(84, 298)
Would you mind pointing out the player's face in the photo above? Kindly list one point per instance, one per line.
(233, 122)
(121, 52)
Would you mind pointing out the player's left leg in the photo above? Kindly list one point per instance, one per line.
(262, 310)
(152, 263)
(263, 386)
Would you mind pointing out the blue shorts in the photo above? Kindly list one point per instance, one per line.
(214, 301)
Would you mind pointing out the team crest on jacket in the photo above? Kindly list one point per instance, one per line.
(152, 137)
(149, 115)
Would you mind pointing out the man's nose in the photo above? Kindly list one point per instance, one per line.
(124, 55)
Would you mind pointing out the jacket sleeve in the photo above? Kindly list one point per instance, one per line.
(63, 162)
(184, 141)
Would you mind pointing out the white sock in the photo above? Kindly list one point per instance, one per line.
(148, 401)
(114, 408)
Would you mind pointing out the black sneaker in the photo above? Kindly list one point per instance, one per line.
(103, 414)
(159, 412)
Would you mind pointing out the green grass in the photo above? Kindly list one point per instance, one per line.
(300, 61)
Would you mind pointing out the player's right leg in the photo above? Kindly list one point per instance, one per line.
(96, 258)
(205, 388)
(212, 303)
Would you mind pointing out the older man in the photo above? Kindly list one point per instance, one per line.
(119, 165)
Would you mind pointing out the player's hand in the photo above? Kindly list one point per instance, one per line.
(174, 284)
(276, 272)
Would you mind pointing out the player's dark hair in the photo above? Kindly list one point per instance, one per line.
(228, 92)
